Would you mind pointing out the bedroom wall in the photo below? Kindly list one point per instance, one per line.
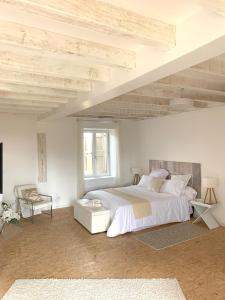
(193, 137)
(18, 133)
(128, 158)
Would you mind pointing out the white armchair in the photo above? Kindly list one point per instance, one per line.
(29, 198)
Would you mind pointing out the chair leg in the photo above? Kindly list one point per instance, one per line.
(32, 217)
(51, 211)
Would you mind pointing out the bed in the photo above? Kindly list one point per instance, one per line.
(165, 207)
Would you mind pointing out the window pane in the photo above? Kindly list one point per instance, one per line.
(88, 153)
(101, 159)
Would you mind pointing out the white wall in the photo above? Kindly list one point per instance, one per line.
(193, 137)
(128, 155)
(130, 146)
(18, 135)
(61, 160)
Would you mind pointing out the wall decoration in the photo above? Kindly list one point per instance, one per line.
(42, 157)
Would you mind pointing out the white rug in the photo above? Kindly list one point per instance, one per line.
(95, 289)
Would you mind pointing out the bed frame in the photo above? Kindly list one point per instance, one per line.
(177, 168)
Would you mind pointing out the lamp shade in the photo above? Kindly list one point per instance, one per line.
(209, 182)
(135, 171)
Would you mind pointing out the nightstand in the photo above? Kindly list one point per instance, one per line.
(205, 213)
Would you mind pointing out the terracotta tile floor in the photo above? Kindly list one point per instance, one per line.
(62, 248)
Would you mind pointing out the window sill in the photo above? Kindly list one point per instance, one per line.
(99, 178)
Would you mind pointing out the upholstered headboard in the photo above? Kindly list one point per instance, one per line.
(175, 167)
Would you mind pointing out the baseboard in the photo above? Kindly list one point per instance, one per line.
(61, 205)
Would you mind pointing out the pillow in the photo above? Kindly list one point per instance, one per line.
(190, 193)
(144, 182)
(155, 184)
(173, 186)
(31, 194)
(184, 178)
(160, 173)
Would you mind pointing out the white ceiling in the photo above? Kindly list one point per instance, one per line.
(173, 11)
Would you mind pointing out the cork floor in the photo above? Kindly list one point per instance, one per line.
(62, 248)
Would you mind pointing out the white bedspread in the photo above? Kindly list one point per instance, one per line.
(166, 208)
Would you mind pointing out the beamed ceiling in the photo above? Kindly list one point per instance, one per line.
(100, 59)
(201, 86)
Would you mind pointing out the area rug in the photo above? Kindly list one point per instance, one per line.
(95, 289)
(172, 235)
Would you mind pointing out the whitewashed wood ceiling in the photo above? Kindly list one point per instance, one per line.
(201, 86)
(56, 56)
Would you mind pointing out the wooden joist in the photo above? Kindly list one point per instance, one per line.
(26, 97)
(37, 91)
(20, 108)
(44, 81)
(173, 92)
(194, 83)
(36, 64)
(37, 39)
(215, 66)
(217, 6)
(29, 103)
(103, 17)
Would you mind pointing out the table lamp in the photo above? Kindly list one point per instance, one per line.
(136, 175)
(210, 183)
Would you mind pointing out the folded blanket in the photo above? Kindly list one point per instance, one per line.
(141, 207)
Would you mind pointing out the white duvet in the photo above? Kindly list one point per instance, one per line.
(166, 208)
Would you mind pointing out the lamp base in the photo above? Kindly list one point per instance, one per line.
(210, 194)
(136, 179)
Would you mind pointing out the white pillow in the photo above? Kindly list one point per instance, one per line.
(144, 182)
(184, 178)
(190, 193)
(155, 184)
(160, 173)
(173, 186)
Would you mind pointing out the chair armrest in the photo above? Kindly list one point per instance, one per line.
(25, 199)
(48, 196)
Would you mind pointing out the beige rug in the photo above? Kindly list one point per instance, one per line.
(172, 235)
(95, 289)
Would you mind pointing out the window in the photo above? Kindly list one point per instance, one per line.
(97, 153)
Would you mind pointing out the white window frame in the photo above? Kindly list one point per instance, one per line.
(94, 131)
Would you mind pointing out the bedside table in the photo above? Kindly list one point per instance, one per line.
(205, 213)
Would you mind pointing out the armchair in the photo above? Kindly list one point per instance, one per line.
(29, 198)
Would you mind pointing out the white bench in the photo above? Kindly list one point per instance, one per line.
(94, 219)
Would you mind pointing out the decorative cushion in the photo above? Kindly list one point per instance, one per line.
(144, 182)
(155, 184)
(185, 178)
(173, 186)
(160, 173)
(31, 194)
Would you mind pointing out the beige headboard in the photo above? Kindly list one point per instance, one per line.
(175, 167)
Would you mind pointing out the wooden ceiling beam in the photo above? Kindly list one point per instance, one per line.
(37, 91)
(133, 106)
(25, 108)
(217, 80)
(173, 92)
(103, 17)
(218, 6)
(142, 99)
(215, 66)
(29, 103)
(194, 83)
(36, 64)
(26, 97)
(49, 42)
(44, 81)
